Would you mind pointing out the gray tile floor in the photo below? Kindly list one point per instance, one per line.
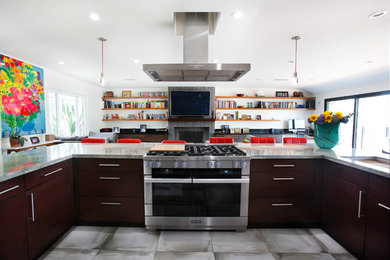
(98, 243)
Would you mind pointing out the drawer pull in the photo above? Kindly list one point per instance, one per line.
(111, 203)
(32, 208)
(7, 190)
(50, 173)
(109, 178)
(109, 164)
(281, 204)
(284, 165)
(360, 204)
(383, 206)
(283, 179)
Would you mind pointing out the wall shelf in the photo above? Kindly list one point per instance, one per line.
(133, 97)
(254, 97)
(265, 108)
(135, 120)
(134, 108)
(271, 120)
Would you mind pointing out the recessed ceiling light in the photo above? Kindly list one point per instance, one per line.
(94, 17)
(61, 62)
(377, 14)
(136, 61)
(237, 14)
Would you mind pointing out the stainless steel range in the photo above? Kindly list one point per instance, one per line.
(205, 187)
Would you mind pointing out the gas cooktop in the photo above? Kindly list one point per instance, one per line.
(203, 150)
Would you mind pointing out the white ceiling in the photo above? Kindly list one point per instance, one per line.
(338, 39)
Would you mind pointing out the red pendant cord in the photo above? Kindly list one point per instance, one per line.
(102, 58)
(296, 53)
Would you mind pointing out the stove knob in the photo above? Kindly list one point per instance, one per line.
(150, 164)
(184, 164)
(243, 164)
(217, 165)
(176, 164)
(157, 164)
(209, 164)
(236, 164)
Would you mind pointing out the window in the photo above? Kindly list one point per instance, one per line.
(66, 114)
(370, 126)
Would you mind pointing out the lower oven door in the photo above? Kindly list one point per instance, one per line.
(168, 197)
(220, 197)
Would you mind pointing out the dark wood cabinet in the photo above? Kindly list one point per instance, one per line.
(13, 229)
(344, 213)
(110, 191)
(50, 208)
(283, 192)
(377, 243)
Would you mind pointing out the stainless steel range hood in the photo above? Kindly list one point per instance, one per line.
(195, 28)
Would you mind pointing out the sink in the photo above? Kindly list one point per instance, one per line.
(372, 160)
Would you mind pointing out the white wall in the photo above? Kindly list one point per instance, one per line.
(91, 93)
(355, 90)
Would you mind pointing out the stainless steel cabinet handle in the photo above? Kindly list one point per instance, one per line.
(283, 179)
(384, 206)
(360, 203)
(109, 164)
(111, 203)
(7, 190)
(281, 204)
(50, 173)
(162, 180)
(211, 181)
(283, 165)
(109, 178)
(32, 208)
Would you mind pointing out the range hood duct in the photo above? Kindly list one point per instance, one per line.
(195, 29)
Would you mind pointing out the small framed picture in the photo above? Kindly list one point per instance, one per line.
(281, 93)
(34, 139)
(115, 129)
(126, 93)
(127, 105)
(142, 128)
(258, 117)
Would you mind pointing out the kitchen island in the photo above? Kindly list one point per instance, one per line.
(344, 191)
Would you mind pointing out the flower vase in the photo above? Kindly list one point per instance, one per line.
(14, 142)
(326, 136)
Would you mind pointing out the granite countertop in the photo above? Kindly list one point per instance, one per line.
(13, 165)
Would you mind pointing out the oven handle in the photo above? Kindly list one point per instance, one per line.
(167, 180)
(211, 181)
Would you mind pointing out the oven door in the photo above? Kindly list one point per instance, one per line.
(220, 197)
(168, 197)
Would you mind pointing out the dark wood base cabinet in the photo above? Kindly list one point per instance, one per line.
(283, 193)
(110, 191)
(13, 229)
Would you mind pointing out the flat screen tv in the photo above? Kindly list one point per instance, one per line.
(190, 104)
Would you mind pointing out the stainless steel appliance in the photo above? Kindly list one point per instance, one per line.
(205, 187)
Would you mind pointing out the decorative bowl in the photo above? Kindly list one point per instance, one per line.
(240, 95)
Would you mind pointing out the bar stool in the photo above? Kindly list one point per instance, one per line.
(294, 140)
(263, 140)
(173, 142)
(129, 140)
(93, 140)
(221, 140)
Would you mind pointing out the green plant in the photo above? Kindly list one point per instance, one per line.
(14, 135)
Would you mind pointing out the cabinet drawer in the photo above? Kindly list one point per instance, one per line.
(11, 187)
(347, 173)
(109, 165)
(40, 176)
(379, 184)
(102, 183)
(112, 209)
(266, 211)
(282, 184)
(283, 165)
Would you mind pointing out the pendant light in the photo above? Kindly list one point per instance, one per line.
(102, 79)
(295, 74)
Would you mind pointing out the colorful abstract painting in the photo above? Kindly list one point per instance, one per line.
(22, 97)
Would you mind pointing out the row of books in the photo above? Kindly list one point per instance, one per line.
(153, 94)
(134, 104)
(226, 103)
(143, 115)
(266, 104)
